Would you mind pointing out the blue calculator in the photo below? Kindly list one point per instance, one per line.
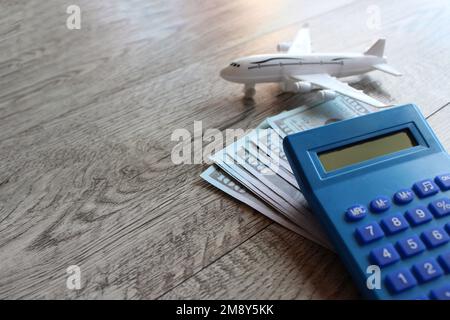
(380, 185)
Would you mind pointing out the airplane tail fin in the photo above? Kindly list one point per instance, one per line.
(377, 49)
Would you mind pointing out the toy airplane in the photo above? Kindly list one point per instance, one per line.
(299, 70)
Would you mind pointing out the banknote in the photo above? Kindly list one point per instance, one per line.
(265, 174)
(238, 159)
(270, 142)
(253, 184)
(272, 163)
(259, 165)
(304, 118)
(221, 180)
(228, 184)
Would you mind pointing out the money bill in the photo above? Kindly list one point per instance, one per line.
(227, 164)
(297, 210)
(272, 155)
(265, 174)
(272, 163)
(304, 118)
(270, 142)
(259, 165)
(227, 184)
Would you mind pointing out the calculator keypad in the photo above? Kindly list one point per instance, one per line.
(444, 260)
(356, 212)
(400, 280)
(435, 237)
(394, 224)
(369, 233)
(441, 293)
(384, 256)
(443, 181)
(425, 188)
(440, 207)
(387, 254)
(380, 204)
(418, 216)
(410, 246)
(427, 270)
(403, 196)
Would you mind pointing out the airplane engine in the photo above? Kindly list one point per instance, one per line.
(303, 86)
(296, 87)
(327, 94)
(284, 46)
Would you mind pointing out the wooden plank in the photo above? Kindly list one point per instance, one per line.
(85, 171)
(108, 76)
(52, 71)
(439, 122)
(76, 189)
(274, 264)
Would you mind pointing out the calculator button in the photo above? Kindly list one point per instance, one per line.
(356, 212)
(369, 233)
(384, 256)
(400, 280)
(403, 196)
(380, 204)
(394, 224)
(427, 270)
(444, 260)
(418, 216)
(440, 208)
(435, 237)
(442, 293)
(410, 246)
(443, 181)
(425, 188)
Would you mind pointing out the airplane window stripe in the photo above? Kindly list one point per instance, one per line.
(294, 64)
(279, 58)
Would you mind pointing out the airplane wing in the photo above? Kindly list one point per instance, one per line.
(325, 81)
(301, 43)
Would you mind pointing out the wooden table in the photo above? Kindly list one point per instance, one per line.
(86, 118)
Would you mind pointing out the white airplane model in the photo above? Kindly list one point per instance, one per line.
(299, 70)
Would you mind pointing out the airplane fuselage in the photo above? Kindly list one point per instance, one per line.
(278, 67)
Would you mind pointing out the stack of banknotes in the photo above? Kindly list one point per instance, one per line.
(255, 170)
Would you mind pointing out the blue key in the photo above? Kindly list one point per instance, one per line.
(394, 224)
(447, 227)
(442, 293)
(400, 280)
(380, 204)
(425, 188)
(384, 256)
(434, 237)
(356, 212)
(410, 246)
(403, 196)
(427, 270)
(443, 181)
(418, 216)
(369, 233)
(440, 208)
(444, 260)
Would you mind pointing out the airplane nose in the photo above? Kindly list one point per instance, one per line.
(226, 73)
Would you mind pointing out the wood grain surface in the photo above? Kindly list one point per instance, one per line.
(86, 116)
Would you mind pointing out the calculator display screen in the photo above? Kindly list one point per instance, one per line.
(367, 149)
